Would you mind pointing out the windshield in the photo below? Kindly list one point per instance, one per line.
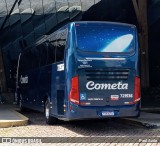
(105, 38)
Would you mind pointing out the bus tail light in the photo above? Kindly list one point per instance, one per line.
(137, 89)
(74, 93)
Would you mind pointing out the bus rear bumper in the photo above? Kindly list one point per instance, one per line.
(82, 113)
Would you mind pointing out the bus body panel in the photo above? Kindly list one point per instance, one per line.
(81, 112)
(58, 89)
(105, 75)
(44, 86)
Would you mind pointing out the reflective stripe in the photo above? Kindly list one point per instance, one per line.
(106, 58)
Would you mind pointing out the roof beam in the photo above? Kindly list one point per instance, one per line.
(140, 7)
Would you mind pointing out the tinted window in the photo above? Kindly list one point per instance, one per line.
(61, 42)
(26, 61)
(105, 38)
(36, 57)
(52, 49)
(43, 54)
(21, 63)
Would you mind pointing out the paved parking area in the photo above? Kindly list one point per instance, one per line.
(121, 134)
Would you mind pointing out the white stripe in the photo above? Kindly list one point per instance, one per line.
(105, 58)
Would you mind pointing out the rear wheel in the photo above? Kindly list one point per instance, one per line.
(49, 119)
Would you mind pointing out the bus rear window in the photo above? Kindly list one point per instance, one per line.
(105, 38)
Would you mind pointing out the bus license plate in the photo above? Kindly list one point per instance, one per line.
(107, 113)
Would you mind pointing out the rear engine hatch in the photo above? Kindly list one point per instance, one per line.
(102, 87)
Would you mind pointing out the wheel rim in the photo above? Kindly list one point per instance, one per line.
(47, 110)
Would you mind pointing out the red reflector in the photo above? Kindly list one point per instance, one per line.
(137, 89)
(70, 108)
(74, 93)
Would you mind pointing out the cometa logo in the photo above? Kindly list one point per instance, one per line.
(24, 80)
(103, 86)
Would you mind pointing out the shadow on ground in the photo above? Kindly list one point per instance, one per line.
(87, 127)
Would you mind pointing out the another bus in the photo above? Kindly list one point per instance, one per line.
(84, 70)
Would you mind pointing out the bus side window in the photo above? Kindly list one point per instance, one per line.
(21, 63)
(29, 60)
(43, 54)
(36, 56)
(26, 60)
(52, 49)
(61, 42)
(51, 53)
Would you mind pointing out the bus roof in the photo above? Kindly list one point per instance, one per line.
(104, 22)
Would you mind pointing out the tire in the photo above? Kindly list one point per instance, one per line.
(49, 120)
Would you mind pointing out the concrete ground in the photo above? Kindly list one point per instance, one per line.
(113, 132)
(147, 119)
(9, 117)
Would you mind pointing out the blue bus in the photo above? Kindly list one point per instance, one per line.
(84, 70)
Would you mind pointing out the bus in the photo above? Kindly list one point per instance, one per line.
(84, 70)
